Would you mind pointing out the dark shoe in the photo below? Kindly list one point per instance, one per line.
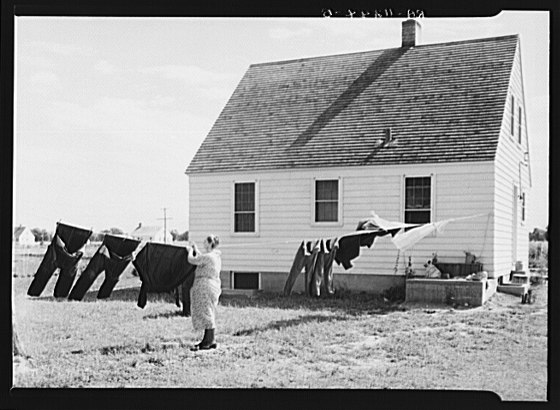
(208, 347)
(201, 346)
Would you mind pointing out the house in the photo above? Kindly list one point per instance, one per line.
(151, 234)
(306, 148)
(23, 236)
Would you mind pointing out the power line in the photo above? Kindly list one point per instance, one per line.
(165, 218)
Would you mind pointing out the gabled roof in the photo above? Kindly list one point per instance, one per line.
(443, 102)
(18, 230)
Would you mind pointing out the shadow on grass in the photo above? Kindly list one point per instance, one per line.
(349, 303)
(129, 294)
(282, 324)
(166, 315)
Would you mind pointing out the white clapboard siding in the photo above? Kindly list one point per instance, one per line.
(285, 201)
(509, 155)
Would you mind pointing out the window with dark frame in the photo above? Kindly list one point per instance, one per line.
(519, 126)
(418, 200)
(523, 207)
(512, 123)
(246, 280)
(244, 207)
(326, 201)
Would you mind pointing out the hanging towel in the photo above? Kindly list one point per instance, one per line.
(376, 222)
(405, 240)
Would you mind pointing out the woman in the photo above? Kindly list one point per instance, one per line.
(206, 290)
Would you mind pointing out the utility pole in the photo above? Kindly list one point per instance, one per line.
(165, 218)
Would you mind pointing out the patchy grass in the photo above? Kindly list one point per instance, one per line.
(349, 341)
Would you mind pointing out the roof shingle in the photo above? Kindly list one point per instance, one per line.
(443, 102)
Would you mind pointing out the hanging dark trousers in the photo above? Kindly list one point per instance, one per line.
(322, 278)
(113, 256)
(162, 268)
(305, 258)
(63, 254)
(331, 248)
(316, 277)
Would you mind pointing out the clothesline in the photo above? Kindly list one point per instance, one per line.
(297, 241)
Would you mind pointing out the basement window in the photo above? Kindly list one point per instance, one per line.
(418, 200)
(246, 280)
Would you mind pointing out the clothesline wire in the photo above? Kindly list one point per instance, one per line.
(293, 241)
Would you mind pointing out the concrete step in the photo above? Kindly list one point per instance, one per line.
(514, 288)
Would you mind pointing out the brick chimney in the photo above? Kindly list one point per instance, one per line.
(411, 31)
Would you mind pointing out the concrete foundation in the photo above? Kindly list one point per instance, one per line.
(450, 291)
(275, 281)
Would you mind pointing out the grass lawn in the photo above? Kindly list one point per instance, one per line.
(355, 341)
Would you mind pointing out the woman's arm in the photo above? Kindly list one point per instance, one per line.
(194, 260)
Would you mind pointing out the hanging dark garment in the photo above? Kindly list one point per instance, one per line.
(331, 248)
(62, 253)
(113, 256)
(349, 247)
(316, 279)
(305, 258)
(162, 268)
(322, 279)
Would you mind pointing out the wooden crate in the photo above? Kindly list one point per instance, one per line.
(459, 269)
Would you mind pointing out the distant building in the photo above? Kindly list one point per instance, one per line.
(23, 236)
(151, 234)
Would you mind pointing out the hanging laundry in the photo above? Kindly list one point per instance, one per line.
(113, 256)
(305, 258)
(349, 246)
(405, 240)
(376, 222)
(162, 268)
(62, 253)
(316, 277)
(322, 278)
(331, 248)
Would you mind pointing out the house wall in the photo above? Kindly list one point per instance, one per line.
(510, 174)
(285, 201)
(26, 237)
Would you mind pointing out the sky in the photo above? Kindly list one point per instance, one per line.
(110, 111)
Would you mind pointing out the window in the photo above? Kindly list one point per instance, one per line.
(246, 280)
(512, 122)
(418, 200)
(519, 125)
(244, 207)
(523, 207)
(326, 201)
